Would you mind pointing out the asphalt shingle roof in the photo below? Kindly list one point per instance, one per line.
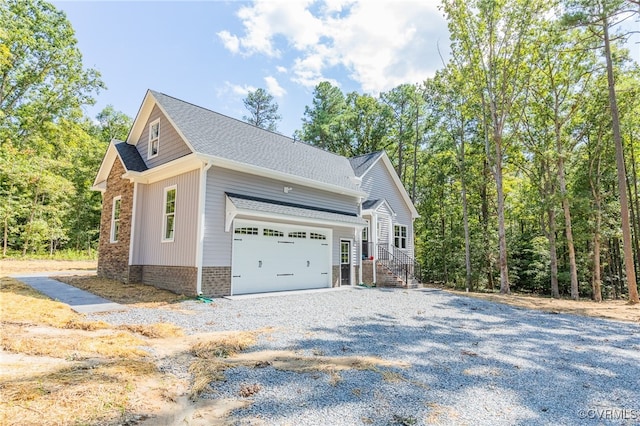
(131, 157)
(277, 207)
(361, 163)
(370, 204)
(214, 134)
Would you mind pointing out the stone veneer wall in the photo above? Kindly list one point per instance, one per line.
(178, 279)
(216, 281)
(113, 258)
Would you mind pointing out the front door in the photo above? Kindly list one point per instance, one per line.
(345, 263)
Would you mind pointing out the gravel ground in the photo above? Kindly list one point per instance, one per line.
(471, 361)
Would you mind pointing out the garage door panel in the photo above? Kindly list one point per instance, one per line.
(279, 257)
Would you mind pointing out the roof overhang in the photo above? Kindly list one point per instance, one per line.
(376, 207)
(237, 207)
(273, 174)
(173, 168)
(100, 182)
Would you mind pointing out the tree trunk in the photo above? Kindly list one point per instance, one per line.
(502, 235)
(568, 228)
(636, 216)
(622, 183)
(465, 213)
(553, 253)
(594, 183)
(6, 236)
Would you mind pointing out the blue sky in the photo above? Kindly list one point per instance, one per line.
(211, 53)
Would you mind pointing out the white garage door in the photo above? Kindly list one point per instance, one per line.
(275, 257)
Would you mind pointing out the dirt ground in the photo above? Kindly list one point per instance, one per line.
(12, 266)
(54, 361)
(619, 310)
(611, 309)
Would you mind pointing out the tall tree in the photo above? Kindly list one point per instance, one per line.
(41, 73)
(321, 121)
(600, 16)
(491, 37)
(263, 110)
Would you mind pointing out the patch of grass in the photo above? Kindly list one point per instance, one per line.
(81, 394)
(44, 342)
(21, 304)
(122, 293)
(211, 357)
(154, 331)
(224, 346)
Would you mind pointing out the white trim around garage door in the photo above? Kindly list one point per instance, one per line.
(254, 259)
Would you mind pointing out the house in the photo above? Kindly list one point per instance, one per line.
(199, 203)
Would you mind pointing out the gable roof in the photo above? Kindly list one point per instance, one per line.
(362, 163)
(217, 136)
(374, 204)
(128, 156)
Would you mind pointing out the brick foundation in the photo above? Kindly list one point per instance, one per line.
(335, 274)
(113, 258)
(178, 279)
(216, 281)
(367, 272)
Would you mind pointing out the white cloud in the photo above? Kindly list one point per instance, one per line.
(231, 42)
(281, 69)
(235, 89)
(274, 88)
(381, 44)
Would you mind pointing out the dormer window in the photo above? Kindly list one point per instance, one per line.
(154, 139)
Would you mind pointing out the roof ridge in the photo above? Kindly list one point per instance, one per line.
(293, 140)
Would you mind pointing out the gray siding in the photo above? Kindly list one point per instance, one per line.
(171, 145)
(344, 234)
(217, 242)
(148, 246)
(378, 183)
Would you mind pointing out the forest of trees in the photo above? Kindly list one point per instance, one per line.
(521, 154)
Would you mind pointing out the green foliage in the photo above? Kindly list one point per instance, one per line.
(49, 152)
(263, 110)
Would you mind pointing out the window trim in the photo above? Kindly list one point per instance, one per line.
(166, 215)
(400, 241)
(113, 233)
(156, 139)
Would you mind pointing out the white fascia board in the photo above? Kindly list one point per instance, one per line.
(268, 173)
(173, 168)
(143, 116)
(99, 183)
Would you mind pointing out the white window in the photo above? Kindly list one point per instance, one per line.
(316, 236)
(400, 236)
(246, 231)
(272, 233)
(169, 224)
(115, 219)
(154, 139)
(297, 234)
(365, 233)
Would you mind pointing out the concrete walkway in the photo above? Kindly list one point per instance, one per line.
(79, 300)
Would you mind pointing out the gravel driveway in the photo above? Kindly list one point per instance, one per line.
(471, 361)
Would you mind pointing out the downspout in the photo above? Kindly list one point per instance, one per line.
(360, 241)
(201, 212)
(374, 239)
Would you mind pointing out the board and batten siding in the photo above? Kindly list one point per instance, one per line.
(148, 246)
(217, 242)
(378, 183)
(170, 147)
